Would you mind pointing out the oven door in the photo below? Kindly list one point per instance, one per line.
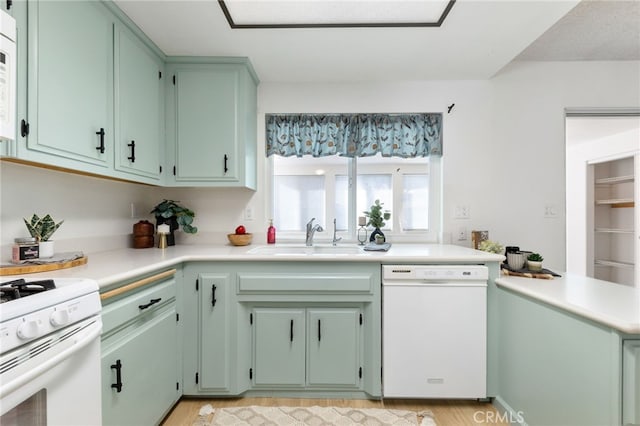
(54, 380)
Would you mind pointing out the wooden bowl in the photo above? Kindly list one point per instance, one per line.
(240, 239)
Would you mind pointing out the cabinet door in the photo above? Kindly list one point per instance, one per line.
(631, 382)
(333, 347)
(70, 78)
(207, 120)
(147, 359)
(215, 359)
(279, 347)
(140, 107)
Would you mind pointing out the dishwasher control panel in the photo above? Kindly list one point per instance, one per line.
(435, 272)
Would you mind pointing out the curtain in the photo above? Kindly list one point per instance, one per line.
(354, 135)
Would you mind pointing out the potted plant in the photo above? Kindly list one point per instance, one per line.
(490, 246)
(376, 219)
(534, 262)
(42, 229)
(175, 215)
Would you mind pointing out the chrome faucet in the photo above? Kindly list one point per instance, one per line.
(311, 230)
(335, 240)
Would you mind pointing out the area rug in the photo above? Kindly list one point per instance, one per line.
(310, 416)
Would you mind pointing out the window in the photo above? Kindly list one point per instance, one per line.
(343, 188)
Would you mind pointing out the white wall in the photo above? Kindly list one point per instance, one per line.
(502, 136)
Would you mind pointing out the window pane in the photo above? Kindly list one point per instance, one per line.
(342, 202)
(371, 188)
(415, 202)
(296, 200)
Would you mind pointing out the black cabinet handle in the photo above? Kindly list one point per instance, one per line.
(291, 332)
(118, 384)
(151, 302)
(101, 146)
(213, 295)
(132, 145)
(226, 160)
(319, 333)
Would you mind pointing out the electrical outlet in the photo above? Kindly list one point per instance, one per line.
(462, 233)
(248, 213)
(550, 210)
(462, 212)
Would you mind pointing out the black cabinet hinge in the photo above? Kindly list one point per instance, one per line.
(197, 378)
(174, 80)
(177, 386)
(177, 317)
(24, 128)
(360, 319)
(360, 373)
(251, 374)
(197, 284)
(251, 319)
(160, 168)
(174, 170)
(159, 74)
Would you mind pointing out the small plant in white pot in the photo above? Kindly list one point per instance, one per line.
(42, 229)
(534, 262)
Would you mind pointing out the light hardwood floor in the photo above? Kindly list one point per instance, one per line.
(446, 412)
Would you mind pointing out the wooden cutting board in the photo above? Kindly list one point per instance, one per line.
(527, 274)
(31, 269)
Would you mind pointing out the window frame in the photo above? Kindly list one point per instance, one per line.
(432, 235)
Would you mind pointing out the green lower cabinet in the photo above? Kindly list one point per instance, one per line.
(279, 347)
(139, 373)
(306, 348)
(631, 382)
(333, 345)
(214, 374)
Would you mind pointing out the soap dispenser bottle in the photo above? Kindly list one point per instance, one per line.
(271, 233)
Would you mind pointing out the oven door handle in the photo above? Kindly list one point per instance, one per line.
(91, 333)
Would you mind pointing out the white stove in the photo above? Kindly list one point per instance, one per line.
(50, 351)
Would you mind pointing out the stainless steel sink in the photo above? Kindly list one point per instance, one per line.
(302, 250)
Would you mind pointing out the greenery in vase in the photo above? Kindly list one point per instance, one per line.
(535, 257)
(184, 216)
(490, 246)
(42, 228)
(376, 215)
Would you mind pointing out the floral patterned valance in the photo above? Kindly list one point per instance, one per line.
(354, 135)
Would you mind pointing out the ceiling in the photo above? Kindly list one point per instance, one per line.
(476, 40)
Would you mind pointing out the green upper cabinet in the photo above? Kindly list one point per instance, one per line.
(139, 101)
(211, 123)
(90, 98)
(70, 80)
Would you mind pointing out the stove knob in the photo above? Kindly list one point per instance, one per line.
(59, 318)
(29, 329)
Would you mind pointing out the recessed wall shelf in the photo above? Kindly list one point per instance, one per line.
(612, 250)
(614, 264)
(615, 230)
(614, 180)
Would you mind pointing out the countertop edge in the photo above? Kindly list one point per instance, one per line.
(600, 318)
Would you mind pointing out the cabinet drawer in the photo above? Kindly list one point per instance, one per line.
(256, 283)
(137, 304)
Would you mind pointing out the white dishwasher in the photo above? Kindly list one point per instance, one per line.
(434, 331)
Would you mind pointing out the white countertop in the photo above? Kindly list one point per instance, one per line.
(110, 267)
(614, 305)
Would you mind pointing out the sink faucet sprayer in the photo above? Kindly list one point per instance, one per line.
(311, 230)
(335, 240)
